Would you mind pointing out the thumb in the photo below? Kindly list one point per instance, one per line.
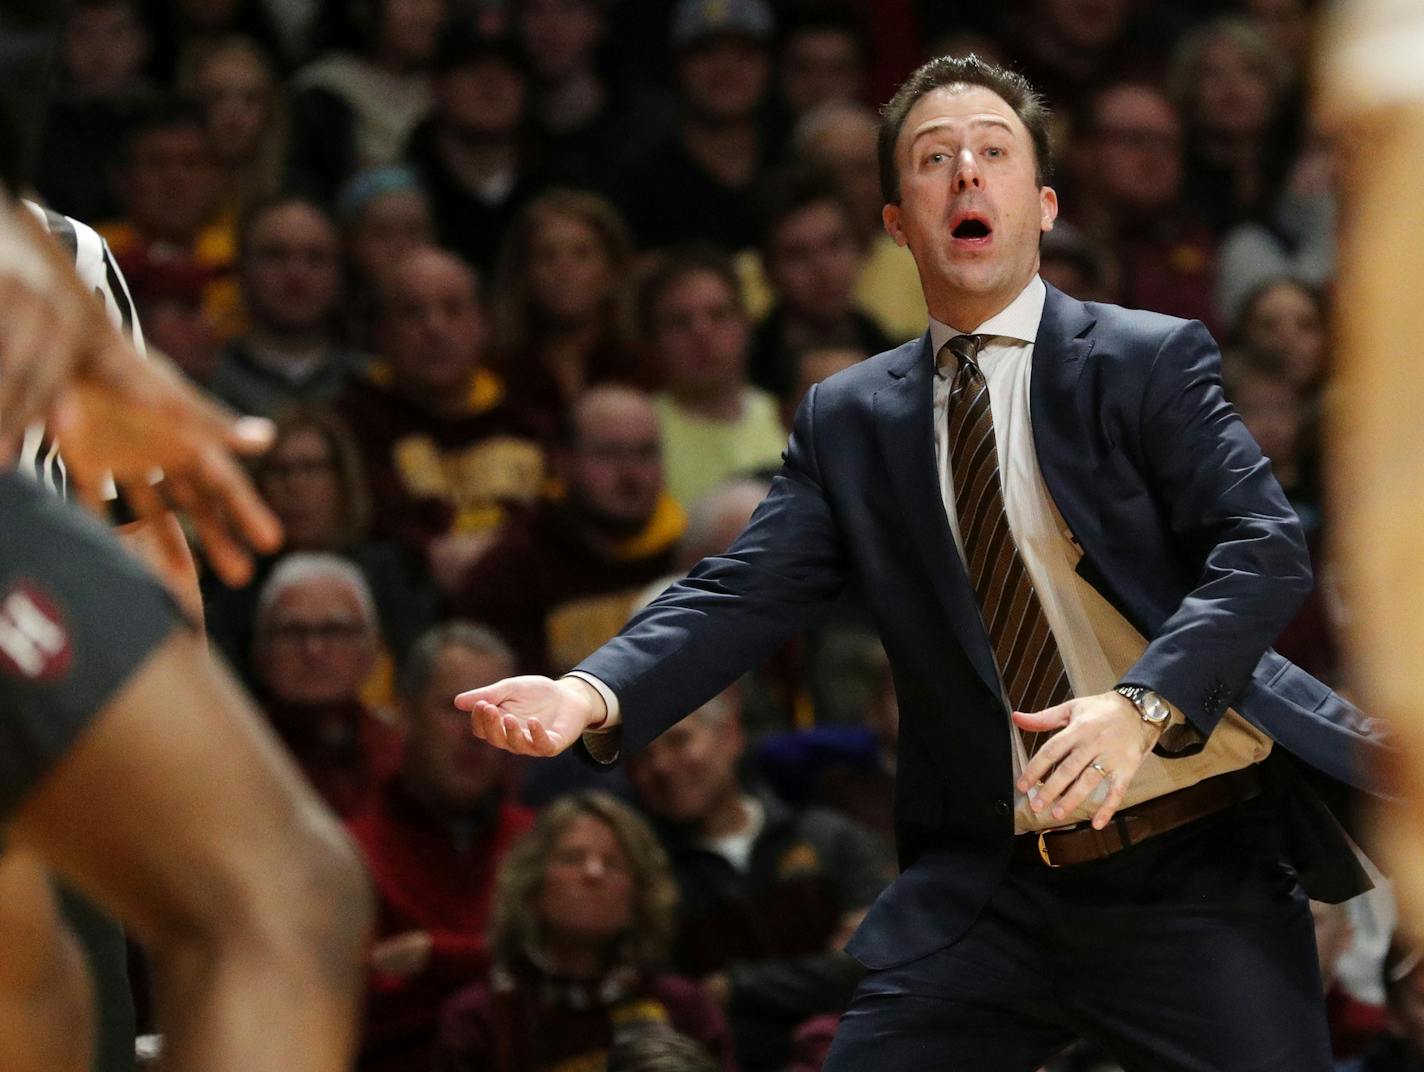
(1050, 718)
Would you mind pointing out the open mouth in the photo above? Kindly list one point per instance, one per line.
(971, 229)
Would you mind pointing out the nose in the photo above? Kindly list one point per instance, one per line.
(966, 172)
(593, 865)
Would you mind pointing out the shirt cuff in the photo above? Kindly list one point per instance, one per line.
(612, 715)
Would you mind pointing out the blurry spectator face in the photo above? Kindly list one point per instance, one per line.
(1286, 319)
(570, 271)
(1085, 24)
(691, 769)
(1288, 26)
(444, 761)
(560, 35)
(812, 261)
(1271, 409)
(409, 29)
(315, 646)
(700, 333)
(615, 464)
(300, 483)
(847, 148)
(484, 99)
(178, 328)
(105, 48)
(237, 92)
(389, 228)
(433, 329)
(1135, 156)
(1234, 96)
(724, 78)
(291, 268)
(587, 891)
(820, 64)
(170, 184)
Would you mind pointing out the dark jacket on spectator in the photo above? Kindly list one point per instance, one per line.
(436, 876)
(771, 928)
(522, 1019)
(431, 474)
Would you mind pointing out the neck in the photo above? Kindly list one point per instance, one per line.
(442, 403)
(967, 312)
(298, 344)
(729, 149)
(474, 160)
(572, 957)
(723, 403)
(730, 815)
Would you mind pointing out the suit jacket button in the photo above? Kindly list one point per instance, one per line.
(1001, 807)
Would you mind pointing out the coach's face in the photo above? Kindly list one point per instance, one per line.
(971, 209)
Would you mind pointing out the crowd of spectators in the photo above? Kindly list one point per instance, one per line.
(532, 289)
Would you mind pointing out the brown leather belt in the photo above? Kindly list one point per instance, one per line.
(1078, 844)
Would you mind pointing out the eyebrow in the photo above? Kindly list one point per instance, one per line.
(935, 128)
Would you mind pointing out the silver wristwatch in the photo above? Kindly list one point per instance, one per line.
(1154, 710)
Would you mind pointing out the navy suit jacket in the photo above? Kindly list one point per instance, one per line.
(1183, 529)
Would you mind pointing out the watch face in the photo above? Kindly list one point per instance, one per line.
(1154, 708)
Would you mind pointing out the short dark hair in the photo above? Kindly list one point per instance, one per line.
(256, 212)
(1027, 103)
(158, 115)
(786, 192)
(673, 268)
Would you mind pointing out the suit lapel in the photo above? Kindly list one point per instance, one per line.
(1060, 418)
(904, 420)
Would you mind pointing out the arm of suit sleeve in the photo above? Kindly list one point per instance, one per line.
(1231, 517)
(733, 610)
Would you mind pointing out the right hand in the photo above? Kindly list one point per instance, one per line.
(128, 417)
(533, 716)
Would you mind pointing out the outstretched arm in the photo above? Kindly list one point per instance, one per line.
(705, 631)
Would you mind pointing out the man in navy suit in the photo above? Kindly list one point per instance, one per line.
(1078, 559)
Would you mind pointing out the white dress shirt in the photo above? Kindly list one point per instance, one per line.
(1098, 645)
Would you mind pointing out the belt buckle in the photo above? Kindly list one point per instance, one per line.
(1043, 852)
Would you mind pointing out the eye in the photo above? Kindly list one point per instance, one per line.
(936, 158)
(994, 152)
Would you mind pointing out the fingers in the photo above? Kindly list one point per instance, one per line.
(1045, 759)
(1116, 793)
(489, 694)
(1050, 718)
(1070, 773)
(522, 736)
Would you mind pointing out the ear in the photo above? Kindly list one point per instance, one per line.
(890, 217)
(1047, 207)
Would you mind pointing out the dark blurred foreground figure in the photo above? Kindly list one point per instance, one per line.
(1077, 558)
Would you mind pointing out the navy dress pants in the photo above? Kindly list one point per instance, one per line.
(1191, 952)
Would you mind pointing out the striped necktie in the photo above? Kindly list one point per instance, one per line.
(1029, 662)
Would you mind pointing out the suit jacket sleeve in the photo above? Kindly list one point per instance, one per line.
(1228, 514)
(733, 610)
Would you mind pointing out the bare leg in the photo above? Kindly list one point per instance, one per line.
(46, 1009)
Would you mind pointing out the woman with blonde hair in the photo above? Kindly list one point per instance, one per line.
(585, 907)
(237, 85)
(562, 301)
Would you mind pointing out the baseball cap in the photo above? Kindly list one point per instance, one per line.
(694, 21)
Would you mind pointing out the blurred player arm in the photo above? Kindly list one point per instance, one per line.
(177, 810)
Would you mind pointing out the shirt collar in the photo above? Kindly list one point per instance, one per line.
(1018, 320)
